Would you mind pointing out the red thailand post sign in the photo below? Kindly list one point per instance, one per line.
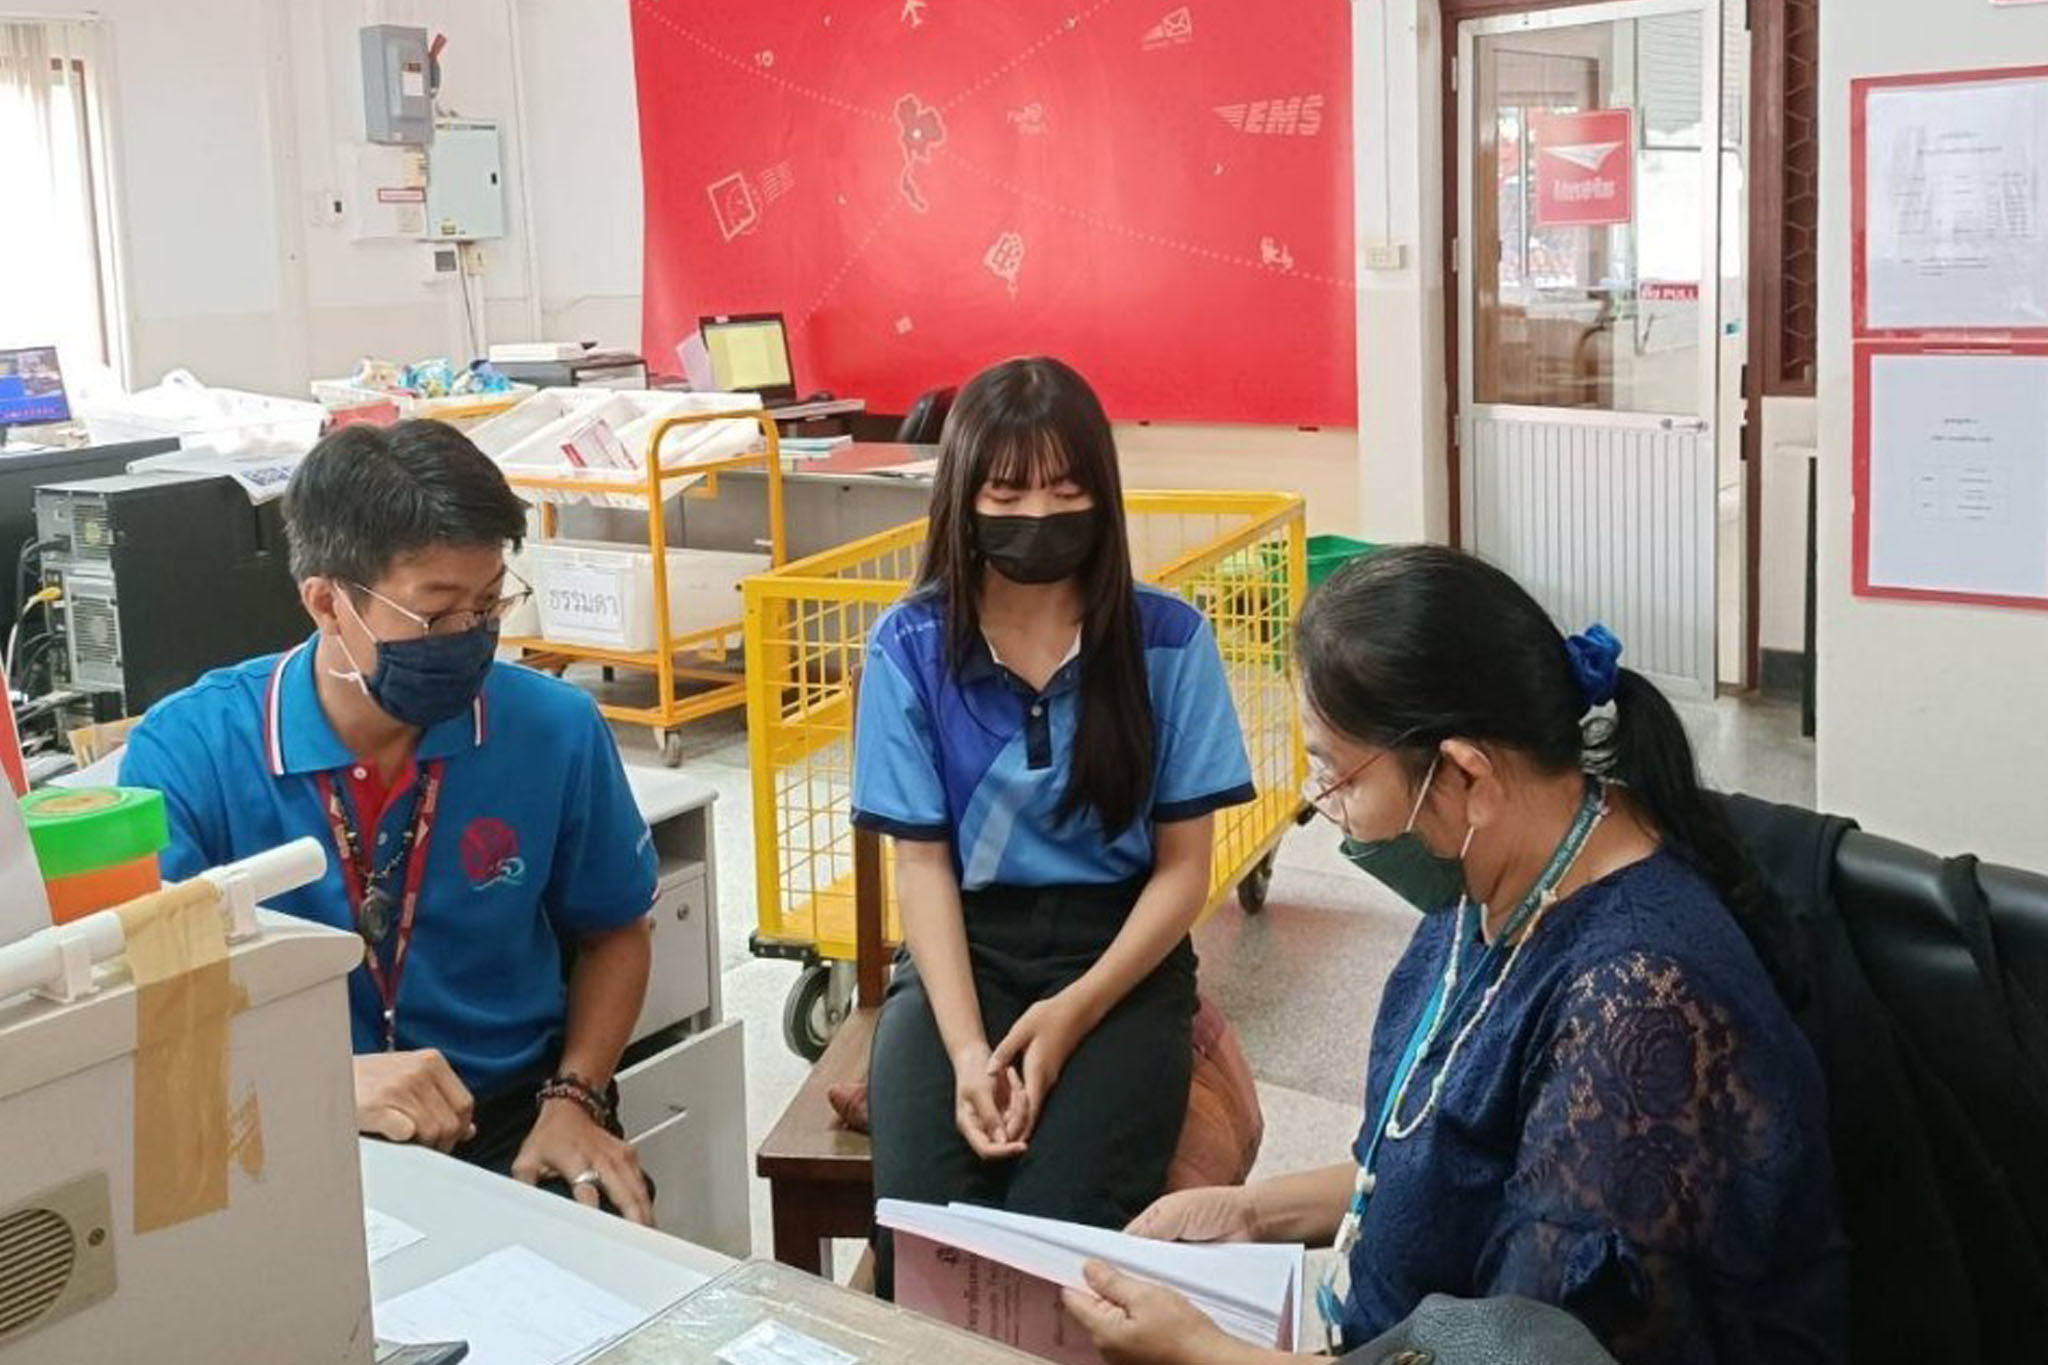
(1585, 168)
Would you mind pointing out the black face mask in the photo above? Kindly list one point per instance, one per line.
(1036, 549)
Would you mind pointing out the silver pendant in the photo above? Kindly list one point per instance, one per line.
(376, 915)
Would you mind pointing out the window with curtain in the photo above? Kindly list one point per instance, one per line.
(57, 284)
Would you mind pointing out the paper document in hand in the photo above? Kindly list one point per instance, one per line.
(1000, 1275)
(513, 1307)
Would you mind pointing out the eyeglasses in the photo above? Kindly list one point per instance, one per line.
(461, 620)
(1320, 788)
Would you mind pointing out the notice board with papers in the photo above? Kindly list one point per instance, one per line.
(1949, 232)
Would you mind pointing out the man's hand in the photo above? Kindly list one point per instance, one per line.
(988, 1106)
(1133, 1322)
(566, 1142)
(1038, 1045)
(413, 1097)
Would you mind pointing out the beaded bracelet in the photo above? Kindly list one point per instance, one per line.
(569, 1086)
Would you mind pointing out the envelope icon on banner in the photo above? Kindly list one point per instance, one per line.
(1589, 156)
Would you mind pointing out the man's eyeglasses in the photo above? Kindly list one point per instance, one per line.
(461, 620)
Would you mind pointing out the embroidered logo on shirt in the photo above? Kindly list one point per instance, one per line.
(490, 854)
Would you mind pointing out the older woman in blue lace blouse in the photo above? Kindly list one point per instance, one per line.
(1584, 1086)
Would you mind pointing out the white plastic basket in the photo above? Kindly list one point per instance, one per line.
(228, 421)
(529, 438)
(589, 593)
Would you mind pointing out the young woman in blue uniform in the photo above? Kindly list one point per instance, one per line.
(1047, 743)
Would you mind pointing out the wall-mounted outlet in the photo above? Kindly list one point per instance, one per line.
(443, 263)
(326, 208)
(1386, 256)
(474, 262)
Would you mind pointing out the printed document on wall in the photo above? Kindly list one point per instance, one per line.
(1959, 474)
(1956, 213)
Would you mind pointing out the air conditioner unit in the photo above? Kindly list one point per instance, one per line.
(56, 1255)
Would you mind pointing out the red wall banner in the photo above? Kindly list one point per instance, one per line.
(1158, 193)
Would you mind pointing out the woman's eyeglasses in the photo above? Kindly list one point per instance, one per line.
(1320, 790)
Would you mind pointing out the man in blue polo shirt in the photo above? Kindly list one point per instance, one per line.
(475, 815)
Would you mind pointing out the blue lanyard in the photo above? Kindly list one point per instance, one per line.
(1561, 859)
(1438, 1011)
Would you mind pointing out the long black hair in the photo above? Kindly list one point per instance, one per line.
(1409, 647)
(1027, 423)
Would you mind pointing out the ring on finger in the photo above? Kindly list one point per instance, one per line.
(585, 1178)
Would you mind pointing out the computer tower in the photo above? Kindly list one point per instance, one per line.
(165, 576)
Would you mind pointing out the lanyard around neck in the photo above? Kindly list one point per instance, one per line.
(354, 879)
(1443, 1005)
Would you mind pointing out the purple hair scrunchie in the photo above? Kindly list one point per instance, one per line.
(1596, 663)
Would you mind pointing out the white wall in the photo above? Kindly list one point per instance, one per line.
(585, 148)
(199, 246)
(1397, 123)
(230, 116)
(1789, 425)
(369, 297)
(1931, 717)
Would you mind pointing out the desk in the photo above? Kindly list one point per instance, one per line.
(819, 411)
(682, 1081)
(826, 502)
(467, 1213)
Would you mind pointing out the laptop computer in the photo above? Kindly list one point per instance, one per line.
(749, 353)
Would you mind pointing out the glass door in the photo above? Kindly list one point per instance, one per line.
(1590, 279)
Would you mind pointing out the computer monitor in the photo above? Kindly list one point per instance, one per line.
(31, 388)
(750, 354)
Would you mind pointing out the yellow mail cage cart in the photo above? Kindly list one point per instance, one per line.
(1238, 557)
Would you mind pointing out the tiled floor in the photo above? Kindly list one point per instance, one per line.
(1300, 981)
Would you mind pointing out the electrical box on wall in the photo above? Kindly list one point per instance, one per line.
(465, 190)
(398, 93)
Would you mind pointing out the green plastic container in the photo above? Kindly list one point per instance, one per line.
(1327, 554)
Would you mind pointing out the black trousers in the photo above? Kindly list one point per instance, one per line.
(1100, 1150)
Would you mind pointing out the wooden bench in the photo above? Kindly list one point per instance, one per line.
(821, 1174)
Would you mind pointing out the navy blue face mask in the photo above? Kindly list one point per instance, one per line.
(424, 680)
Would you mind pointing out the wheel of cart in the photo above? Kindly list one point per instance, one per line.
(817, 1005)
(1251, 892)
(672, 748)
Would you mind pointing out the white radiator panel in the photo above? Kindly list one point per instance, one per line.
(1604, 523)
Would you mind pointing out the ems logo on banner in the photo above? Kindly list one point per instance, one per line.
(1585, 168)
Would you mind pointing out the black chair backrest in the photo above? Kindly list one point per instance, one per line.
(1929, 1012)
(926, 418)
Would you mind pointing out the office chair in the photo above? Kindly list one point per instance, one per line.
(926, 418)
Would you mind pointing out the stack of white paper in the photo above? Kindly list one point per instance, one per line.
(999, 1274)
(513, 1307)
